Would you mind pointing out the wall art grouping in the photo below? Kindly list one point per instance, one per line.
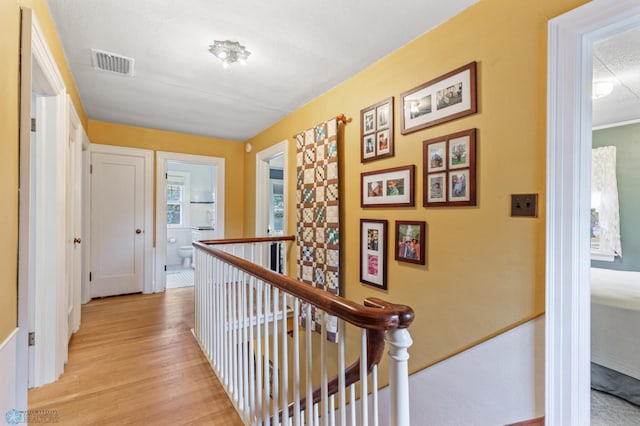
(449, 164)
(376, 131)
(449, 167)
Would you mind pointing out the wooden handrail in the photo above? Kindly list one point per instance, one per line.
(249, 240)
(375, 314)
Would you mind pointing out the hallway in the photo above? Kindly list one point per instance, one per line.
(134, 361)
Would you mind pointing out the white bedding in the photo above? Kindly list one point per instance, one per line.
(615, 320)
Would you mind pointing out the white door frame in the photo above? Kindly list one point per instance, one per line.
(147, 156)
(262, 185)
(569, 130)
(162, 158)
(41, 236)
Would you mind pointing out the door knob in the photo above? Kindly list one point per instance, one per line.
(138, 231)
(77, 240)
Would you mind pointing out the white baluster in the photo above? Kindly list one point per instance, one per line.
(399, 341)
(332, 410)
(260, 316)
(309, 348)
(352, 403)
(285, 362)
(363, 377)
(226, 319)
(252, 321)
(341, 379)
(296, 363)
(267, 385)
(245, 349)
(374, 393)
(323, 369)
(274, 376)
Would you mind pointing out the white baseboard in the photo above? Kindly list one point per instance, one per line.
(500, 381)
(8, 374)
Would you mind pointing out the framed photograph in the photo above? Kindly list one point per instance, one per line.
(377, 131)
(373, 252)
(445, 98)
(410, 241)
(369, 146)
(436, 186)
(388, 188)
(369, 121)
(436, 157)
(450, 170)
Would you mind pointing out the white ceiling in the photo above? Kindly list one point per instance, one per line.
(299, 50)
(617, 59)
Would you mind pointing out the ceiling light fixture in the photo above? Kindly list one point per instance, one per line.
(229, 52)
(601, 89)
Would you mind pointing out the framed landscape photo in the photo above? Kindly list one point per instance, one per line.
(376, 132)
(445, 98)
(450, 170)
(410, 241)
(388, 188)
(373, 252)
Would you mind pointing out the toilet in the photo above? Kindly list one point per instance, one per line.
(185, 253)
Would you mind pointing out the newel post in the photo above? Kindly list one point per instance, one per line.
(399, 340)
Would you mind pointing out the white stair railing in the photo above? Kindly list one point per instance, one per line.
(279, 373)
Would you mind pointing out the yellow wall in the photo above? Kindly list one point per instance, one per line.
(485, 270)
(9, 128)
(161, 140)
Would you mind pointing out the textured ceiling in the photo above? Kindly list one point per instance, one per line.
(617, 59)
(299, 51)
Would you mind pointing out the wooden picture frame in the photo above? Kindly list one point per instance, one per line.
(373, 252)
(450, 170)
(392, 187)
(450, 96)
(376, 131)
(410, 241)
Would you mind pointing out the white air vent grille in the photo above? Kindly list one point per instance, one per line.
(112, 62)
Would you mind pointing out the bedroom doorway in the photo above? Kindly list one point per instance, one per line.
(615, 274)
(569, 135)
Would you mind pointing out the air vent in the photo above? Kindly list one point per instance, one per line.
(112, 62)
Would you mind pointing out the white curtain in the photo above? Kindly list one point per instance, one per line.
(605, 216)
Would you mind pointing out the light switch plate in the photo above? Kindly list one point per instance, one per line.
(524, 205)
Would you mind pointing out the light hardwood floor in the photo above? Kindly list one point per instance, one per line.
(134, 361)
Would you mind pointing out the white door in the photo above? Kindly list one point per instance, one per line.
(117, 224)
(74, 221)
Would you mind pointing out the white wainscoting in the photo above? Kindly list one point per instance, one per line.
(500, 381)
(8, 374)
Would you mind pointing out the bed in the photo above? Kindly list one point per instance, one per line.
(615, 333)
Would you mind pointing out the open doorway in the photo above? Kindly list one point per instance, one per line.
(568, 308)
(271, 190)
(189, 207)
(271, 200)
(615, 233)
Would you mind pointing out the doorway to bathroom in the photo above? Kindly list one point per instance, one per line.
(189, 207)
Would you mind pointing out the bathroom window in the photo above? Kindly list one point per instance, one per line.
(177, 199)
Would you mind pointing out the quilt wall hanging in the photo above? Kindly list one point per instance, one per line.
(317, 220)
